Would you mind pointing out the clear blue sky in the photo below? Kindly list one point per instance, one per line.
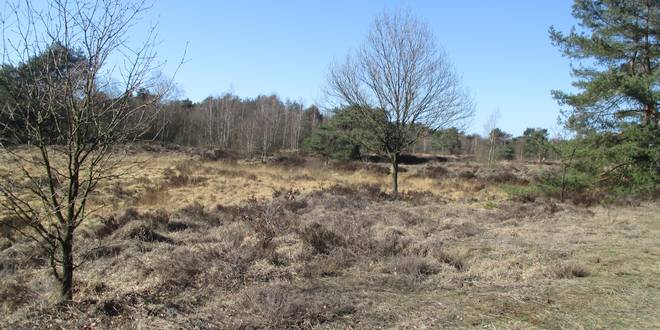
(501, 48)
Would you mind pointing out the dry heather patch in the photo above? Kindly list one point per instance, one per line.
(337, 251)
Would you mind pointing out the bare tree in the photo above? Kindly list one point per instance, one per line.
(75, 89)
(489, 128)
(401, 85)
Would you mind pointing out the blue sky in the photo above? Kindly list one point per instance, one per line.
(501, 48)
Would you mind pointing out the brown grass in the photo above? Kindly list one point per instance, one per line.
(304, 246)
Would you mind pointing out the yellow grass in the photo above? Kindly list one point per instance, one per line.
(466, 257)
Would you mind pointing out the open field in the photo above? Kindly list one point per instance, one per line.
(184, 242)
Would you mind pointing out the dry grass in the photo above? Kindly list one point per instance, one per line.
(299, 245)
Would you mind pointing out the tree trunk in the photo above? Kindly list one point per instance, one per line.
(395, 175)
(66, 289)
(650, 116)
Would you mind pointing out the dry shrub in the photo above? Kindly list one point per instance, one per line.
(117, 190)
(141, 231)
(230, 173)
(266, 218)
(320, 239)
(183, 178)
(417, 197)
(289, 161)
(467, 229)
(570, 270)
(435, 248)
(378, 170)
(467, 174)
(412, 267)
(5, 243)
(588, 198)
(196, 211)
(9, 226)
(105, 251)
(154, 195)
(110, 224)
(351, 166)
(177, 226)
(21, 255)
(433, 172)
(450, 259)
(393, 243)
(13, 294)
(357, 234)
(504, 176)
(329, 265)
(110, 308)
(144, 180)
(296, 206)
(282, 306)
(181, 266)
(156, 219)
(219, 154)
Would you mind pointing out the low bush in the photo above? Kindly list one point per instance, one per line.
(281, 306)
(320, 239)
(570, 270)
(433, 172)
(412, 267)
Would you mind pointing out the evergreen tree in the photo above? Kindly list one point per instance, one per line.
(617, 50)
(448, 140)
(536, 143)
(615, 111)
(336, 137)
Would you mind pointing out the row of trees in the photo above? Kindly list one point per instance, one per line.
(259, 126)
(339, 137)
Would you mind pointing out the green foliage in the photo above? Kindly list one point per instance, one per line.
(447, 140)
(536, 143)
(623, 163)
(524, 193)
(25, 83)
(619, 82)
(335, 138)
(614, 112)
(502, 143)
(506, 151)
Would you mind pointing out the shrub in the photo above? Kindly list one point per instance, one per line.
(320, 239)
(141, 231)
(570, 270)
(281, 306)
(434, 172)
(393, 243)
(329, 265)
(219, 154)
(13, 294)
(289, 161)
(467, 174)
(524, 194)
(110, 224)
(467, 229)
(450, 259)
(412, 267)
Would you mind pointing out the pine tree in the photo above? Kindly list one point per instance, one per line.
(617, 51)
